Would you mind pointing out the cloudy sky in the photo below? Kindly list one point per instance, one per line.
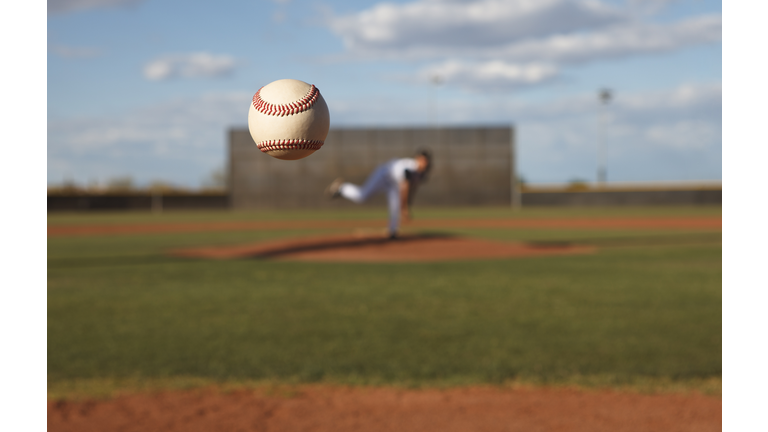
(148, 88)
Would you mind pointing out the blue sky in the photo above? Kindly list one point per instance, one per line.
(148, 88)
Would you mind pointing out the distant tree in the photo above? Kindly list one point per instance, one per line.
(216, 180)
(162, 187)
(577, 185)
(120, 184)
(93, 187)
(67, 187)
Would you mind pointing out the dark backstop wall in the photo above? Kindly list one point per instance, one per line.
(472, 166)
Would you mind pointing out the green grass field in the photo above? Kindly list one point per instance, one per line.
(644, 311)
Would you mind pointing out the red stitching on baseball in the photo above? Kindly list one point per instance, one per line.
(296, 107)
(289, 144)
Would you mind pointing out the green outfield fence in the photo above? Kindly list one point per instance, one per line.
(137, 201)
(530, 197)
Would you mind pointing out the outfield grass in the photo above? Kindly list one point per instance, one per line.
(645, 308)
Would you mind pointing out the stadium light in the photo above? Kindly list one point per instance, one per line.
(604, 95)
(436, 80)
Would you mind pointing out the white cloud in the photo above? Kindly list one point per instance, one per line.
(64, 6)
(194, 65)
(694, 99)
(490, 75)
(666, 134)
(565, 43)
(493, 44)
(648, 7)
(179, 141)
(644, 109)
(683, 134)
(434, 26)
(703, 101)
(614, 41)
(179, 124)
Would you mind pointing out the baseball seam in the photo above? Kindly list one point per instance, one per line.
(296, 107)
(289, 144)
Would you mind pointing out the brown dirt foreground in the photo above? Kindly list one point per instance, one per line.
(377, 248)
(341, 409)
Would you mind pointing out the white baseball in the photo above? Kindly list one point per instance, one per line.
(288, 119)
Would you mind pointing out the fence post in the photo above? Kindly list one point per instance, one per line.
(157, 201)
(514, 186)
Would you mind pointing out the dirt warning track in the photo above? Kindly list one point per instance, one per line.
(341, 409)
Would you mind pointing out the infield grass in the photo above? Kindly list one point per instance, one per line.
(646, 308)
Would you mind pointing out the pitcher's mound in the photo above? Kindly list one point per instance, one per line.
(377, 248)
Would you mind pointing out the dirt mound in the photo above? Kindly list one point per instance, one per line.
(378, 248)
(339, 409)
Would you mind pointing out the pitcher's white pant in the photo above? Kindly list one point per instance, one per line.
(378, 181)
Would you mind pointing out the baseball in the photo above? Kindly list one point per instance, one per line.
(288, 119)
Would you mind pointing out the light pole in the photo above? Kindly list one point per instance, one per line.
(436, 80)
(433, 119)
(604, 95)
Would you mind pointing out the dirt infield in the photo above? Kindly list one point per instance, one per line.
(377, 248)
(591, 223)
(341, 409)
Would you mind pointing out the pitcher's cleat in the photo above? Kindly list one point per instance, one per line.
(332, 191)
